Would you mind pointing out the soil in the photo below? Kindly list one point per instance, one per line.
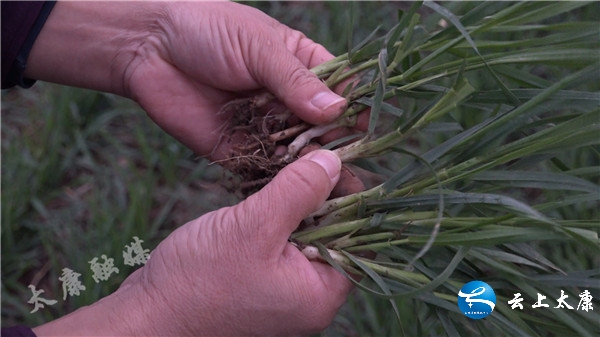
(252, 154)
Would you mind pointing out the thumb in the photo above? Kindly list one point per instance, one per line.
(296, 86)
(274, 212)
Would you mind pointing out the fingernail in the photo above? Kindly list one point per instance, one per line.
(328, 161)
(324, 100)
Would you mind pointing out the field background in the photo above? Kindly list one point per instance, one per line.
(83, 172)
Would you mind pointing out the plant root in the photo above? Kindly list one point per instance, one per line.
(252, 151)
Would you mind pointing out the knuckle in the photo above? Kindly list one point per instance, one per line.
(300, 77)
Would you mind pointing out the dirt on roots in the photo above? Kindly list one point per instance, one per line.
(253, 152)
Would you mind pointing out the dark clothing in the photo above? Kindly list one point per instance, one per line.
(22, 21)
(17, 331)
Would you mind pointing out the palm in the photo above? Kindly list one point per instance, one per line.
(184, 108)
(184, 86)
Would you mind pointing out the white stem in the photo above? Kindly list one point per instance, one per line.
(312, 253)
(304, 138)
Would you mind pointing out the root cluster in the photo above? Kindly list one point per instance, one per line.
(256, 141)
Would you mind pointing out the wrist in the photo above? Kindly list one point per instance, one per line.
(95, 44)
(132, 310)
(118, 314)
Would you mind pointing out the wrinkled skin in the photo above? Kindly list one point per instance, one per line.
(231, 271)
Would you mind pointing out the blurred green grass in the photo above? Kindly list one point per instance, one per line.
(83, 172)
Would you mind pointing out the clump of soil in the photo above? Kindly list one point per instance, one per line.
(252, 152)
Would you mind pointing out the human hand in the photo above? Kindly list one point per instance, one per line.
(183, 61)
(231, 272)
(182, 84)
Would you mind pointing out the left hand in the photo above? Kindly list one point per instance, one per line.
(231, 272)
(182, 61)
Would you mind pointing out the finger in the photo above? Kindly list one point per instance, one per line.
(362, 123)
(299, 189)
(289, 79)
(348, 183)
(318, 289)
(310, 53)
(337, 285)
(309, 148)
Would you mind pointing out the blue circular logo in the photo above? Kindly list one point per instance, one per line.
(476, 299)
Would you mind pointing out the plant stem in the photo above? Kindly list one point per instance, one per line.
(312, 253)
(346, 241)
(289, 132)
(415, 279)
(304, 138)
(314, 234)
(328, 230)
(366, 147)
(378, 245)
(326, 68)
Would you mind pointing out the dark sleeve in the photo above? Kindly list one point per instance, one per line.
(22, 21)
(17, 331)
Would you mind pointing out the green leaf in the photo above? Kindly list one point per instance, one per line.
(376, 220)
(541, 180)
(505, 202)
(490, 237)
(379, 91)
(538, 13)
(586, 279)
(377, 279)
(409, 41)
(366, 52)
(385, 107)
(327, 257)
(447, 323)
(456, 22)
(508, 257)
(437, 279)
(532, 253)
(353, 52)
(591, 99)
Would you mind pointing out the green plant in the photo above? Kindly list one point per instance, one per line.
(484, 130)
(57, 140)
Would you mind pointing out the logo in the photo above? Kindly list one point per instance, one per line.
(476, 299)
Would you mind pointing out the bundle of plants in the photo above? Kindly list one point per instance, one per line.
(480, 162)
